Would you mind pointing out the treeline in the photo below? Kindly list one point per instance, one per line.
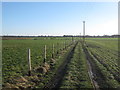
(87, 36)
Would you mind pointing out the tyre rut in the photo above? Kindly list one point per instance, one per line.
(97, 77)
(56, 80)
(90, 67)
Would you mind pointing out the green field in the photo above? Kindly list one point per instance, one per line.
(106, 54)
(73, 63)
(14, 54)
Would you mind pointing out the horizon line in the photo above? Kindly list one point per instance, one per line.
(62, 35)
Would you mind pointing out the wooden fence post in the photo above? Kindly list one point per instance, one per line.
(58, 48)
(29, 62)
(44, 54)
(53, 51)
(65, 44)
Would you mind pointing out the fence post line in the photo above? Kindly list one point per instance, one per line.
(44, 54)
(29, 62)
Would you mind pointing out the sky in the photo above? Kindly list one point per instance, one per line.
(59, 18)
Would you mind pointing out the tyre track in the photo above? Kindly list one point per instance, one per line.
(93, 73)
(116, 75)
(56, 80)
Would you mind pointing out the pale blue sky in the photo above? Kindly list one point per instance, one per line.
(59, 18)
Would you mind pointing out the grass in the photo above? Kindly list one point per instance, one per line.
(104, 50)
(77, 73)
(14, 55)
(110, 43)
(106, 53)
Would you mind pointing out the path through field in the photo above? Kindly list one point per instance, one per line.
(57, 78)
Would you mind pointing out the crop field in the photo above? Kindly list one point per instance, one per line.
(106, 57)
(61, 62)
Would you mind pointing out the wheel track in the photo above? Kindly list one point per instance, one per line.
(98, 76)
(56, 80)
(114, 74)
(91, 71)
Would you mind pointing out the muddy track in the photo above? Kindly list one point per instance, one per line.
(56, 80)
(96, 76)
